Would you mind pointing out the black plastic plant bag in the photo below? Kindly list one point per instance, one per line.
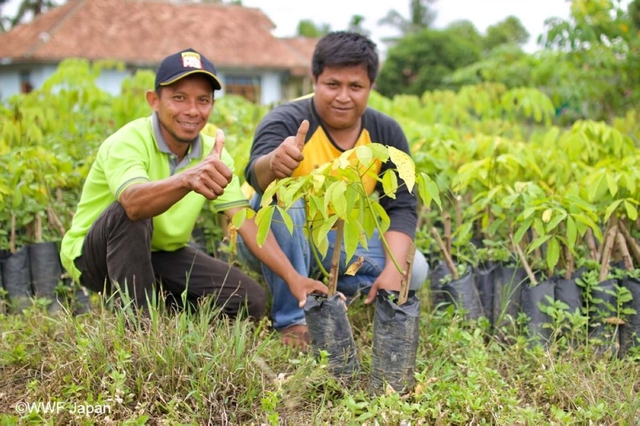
(538, 326)
(16, 279)
(437, 274)
(3, 302)
(507, 294)
(603, 300)
(464, 294)
(46, 269)
(630, 330)
(330, 331)
(569, 292)
(485, 283)
(396, 332)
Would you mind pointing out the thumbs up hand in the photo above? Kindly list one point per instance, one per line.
(212, 175)
(218, 146)
(287, 157)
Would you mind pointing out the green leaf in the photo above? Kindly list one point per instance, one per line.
(528, 212)
(522, 230)
(263, 220)
(313, 207)
(239, 218)
(364, 155)
(612, 184)
(320, 234)
(598, 188)
(553, 253)
(368, 222)
(338, 198)
(17, 198)
(632, 212)
(405, 166)
(428, 190)
(560, 216)
(384, 221)
(610, 209)
(591, 224)
(538, 226)
(351, 237)
(538, 242)
(493, 228)
(288, 222)
(390, 183)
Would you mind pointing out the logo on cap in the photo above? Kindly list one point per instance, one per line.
(191, 60)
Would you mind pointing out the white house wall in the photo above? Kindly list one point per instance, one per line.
(271, 88)
(10, 77)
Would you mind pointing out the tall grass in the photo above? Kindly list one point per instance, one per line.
(202, 368)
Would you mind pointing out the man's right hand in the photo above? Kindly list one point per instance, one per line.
(211, 176)
(287, 157)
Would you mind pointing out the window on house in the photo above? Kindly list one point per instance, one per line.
(25, 82)
(245, 86)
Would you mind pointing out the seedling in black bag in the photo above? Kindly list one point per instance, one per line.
(328, 323)
(396, 332)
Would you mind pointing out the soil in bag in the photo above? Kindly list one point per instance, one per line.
(46, 269)
(484, 281)
(396, 331)
(16, 279)
(630, 330)
(603, 301)
(463, 293)
(330, 331)
(539, 323)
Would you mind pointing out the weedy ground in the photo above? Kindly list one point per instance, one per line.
(201, 368)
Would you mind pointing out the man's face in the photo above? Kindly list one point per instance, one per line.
(341, 96)
(183, 109)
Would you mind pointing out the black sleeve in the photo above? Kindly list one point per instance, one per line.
(272, 130)
(403, 211)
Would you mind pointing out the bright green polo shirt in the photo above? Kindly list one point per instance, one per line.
(134, 154)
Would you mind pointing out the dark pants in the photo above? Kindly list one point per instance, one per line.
(117, 249)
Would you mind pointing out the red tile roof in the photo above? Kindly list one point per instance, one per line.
(303, 47)
(142, 32)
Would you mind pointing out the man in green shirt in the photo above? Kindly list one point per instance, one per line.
(145, 191)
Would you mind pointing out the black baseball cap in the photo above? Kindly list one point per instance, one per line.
(184, 63)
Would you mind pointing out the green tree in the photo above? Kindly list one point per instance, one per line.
(355, 25)
(307, 28)
(634, 14)
(509, 31)
(29, 9)
(421, 17)
(467, 30)
(588, 68)
(421, 61)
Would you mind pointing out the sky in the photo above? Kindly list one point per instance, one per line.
(482, 13)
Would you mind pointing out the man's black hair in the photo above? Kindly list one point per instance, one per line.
(345, 49)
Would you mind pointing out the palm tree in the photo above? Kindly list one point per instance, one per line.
(421, 17)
